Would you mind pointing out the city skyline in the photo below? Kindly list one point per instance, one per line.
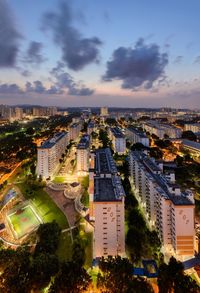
(79, 53)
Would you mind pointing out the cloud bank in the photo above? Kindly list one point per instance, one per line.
(9, 37)
(137, 67)
(77, 51)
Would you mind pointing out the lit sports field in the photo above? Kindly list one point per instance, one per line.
(23, 221)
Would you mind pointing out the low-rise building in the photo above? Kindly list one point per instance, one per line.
(49, 153)
(168, 209)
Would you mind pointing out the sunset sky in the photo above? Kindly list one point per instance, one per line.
(133, 53)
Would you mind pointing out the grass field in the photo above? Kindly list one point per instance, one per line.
(45, 206)
(64, 251)
(24, 221)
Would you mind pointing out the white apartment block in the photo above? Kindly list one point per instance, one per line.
(106, 206)
(74, 130)
(194, 127)
(104, 111)
(136, 136)
(18, 113)
(49, 153)
(168, 210)
(154, 127)
(82, 155)
(118, 140)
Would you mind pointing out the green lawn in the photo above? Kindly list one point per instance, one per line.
(64, 252)
(45, 206)
(88, 250)
(59, 179)
(23, 221)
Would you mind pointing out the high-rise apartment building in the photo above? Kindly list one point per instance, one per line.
(74, 130)
(82, 154)
(168, 209)
(106, 205)
(18, 113)
(136, 136)
(160, 130)
(49, 153)
(104, 111)
(118, 140)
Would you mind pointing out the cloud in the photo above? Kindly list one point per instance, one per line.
(178, 60)
(10, 89)
(65, 81)
(77, 51)
(25, 73)
(137, 67)
(197, 60)
(33, 54)
(9, 37)
(38, 87)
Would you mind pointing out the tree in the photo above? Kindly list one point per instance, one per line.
(171, 278)
(43, 267)
(70, 278)
(30, 131)
(103, 137)
(137, 146)
(156, 153)
(48, 238)
(117, 276)
(189, 135)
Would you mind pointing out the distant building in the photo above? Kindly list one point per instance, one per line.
(49, 153)
(104, 111)
(160, 130)
(118, 140)
(83, 152)
(18, 113)
(136, 136)
(194, 127)
(74, 130)
(106, 205)
(169, 210)
(51, 111)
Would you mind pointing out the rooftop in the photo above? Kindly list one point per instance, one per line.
(191, 144)
(137, 132)
(108, 189)
(117, 132)
(84, 142)
(52, 141)
(104, 162)
(162, 182)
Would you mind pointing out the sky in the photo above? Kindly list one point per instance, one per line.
(133, 53)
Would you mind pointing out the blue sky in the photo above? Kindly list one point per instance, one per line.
(115, 53)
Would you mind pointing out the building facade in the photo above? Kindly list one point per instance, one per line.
(82, 155)
(74, 130)
(136, 136)
(49, 154)
(168, 210)
(118, 140)
(160, 130)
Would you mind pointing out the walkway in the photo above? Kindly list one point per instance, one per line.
(190, 263)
